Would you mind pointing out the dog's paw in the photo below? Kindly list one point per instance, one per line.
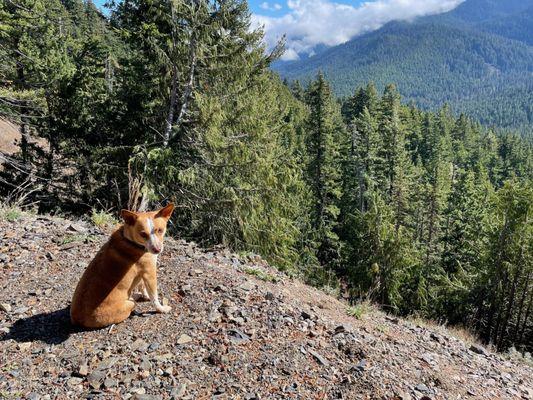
(164, 309)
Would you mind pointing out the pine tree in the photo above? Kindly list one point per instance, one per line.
(362, 98)
(395, 169)
(324, 137)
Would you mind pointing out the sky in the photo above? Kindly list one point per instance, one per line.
(309, 23)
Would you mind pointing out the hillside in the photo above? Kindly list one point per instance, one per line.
(238, 329)
(477, 57)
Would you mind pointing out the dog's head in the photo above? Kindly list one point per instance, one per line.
(147, 229)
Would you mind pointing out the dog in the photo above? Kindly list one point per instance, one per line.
(103, 295)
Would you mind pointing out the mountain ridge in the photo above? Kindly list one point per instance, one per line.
(435, 60)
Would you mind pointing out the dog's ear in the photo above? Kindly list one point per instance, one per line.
(165, 212)
(128, 216)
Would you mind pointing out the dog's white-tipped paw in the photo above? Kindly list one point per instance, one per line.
(164, 309)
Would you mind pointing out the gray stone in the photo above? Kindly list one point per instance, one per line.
(96, 378)
(238, 337)
(478, 349)
(318, 357)
(110, 383)
(422, 388)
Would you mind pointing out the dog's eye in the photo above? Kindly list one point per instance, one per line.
(144, 235)
(160, 230)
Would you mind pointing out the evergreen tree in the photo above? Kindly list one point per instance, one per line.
(324, 138)
(510, 261)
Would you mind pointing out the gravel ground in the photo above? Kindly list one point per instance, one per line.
(238, 330)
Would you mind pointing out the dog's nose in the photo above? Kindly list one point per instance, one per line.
(156, 250)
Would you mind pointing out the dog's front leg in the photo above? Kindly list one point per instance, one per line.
(150, 283)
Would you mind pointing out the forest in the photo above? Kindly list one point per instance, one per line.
(424, 213)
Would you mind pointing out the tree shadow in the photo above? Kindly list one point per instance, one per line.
(51, 328)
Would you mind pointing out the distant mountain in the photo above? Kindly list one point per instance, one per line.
(477, 11)
(517, 26)
(477, 57)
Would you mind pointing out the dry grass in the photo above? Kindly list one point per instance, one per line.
(459, 332)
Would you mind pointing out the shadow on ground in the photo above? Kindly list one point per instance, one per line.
(52, 328)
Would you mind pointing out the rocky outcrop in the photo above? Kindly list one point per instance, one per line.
(238, 330)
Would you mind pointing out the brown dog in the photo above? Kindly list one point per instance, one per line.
(104, 294)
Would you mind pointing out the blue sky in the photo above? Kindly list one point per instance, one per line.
(269, 8)
(309, 23)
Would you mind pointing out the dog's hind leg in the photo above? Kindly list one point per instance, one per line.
(118, 314)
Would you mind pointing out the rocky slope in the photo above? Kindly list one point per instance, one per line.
(238, 330)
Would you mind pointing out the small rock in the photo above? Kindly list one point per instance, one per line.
(24, 346)
(269, 296)
(146, 397)
(139, 345)
(478, 349)
(76, 228)
(145, 374)
(75, 381)
(110, 383)
(138, 390)
(5, 307)
(340, 329)
(83, 370)
(96, 378)
(221, 288)
(184, 339)
(421, 387)
(238, 337)
(318, 357)
(305, 315)
(361, 365)
(247, 286)
(21, 310)
(178, 391)
(153, 347)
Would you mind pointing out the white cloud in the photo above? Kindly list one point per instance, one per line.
(312, 22)
(274, 7)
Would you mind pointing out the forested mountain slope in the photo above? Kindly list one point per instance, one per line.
(471, 57)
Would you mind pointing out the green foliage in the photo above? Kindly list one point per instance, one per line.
(359, 310)
(103, 219)
(75, 238)
(10, 213)
(259, 274)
